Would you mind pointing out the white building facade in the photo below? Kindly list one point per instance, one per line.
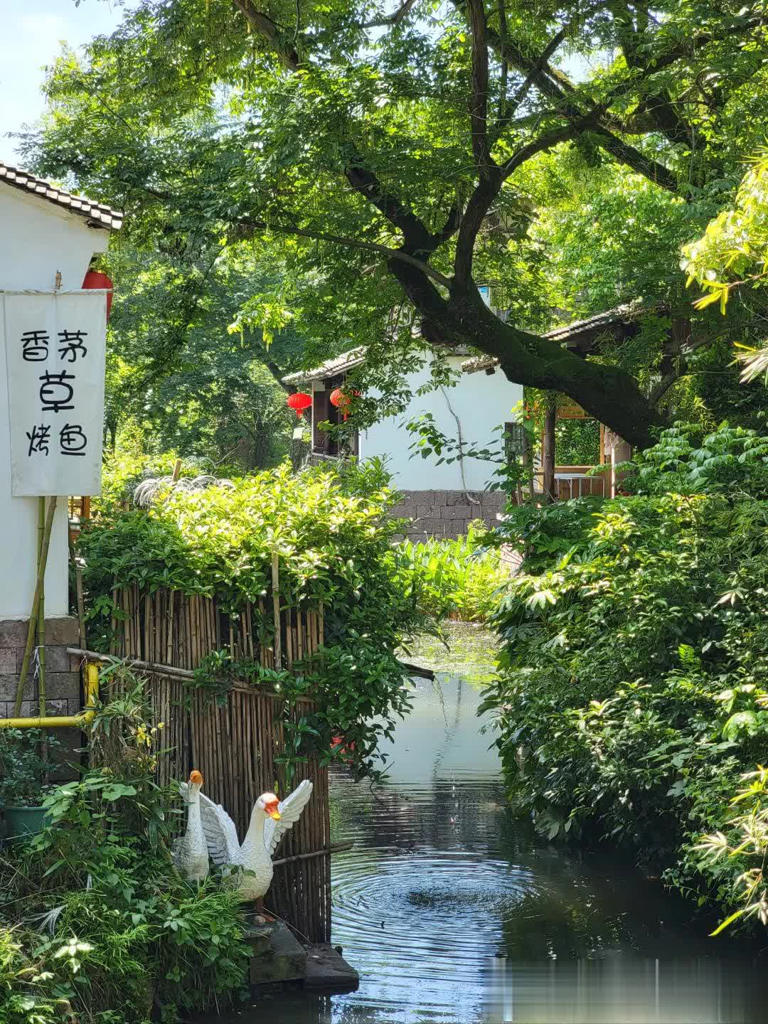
(441, 498)
(47, 241)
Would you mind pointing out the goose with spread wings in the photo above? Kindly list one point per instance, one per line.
(270, 820)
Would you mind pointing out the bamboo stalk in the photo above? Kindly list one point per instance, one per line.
(38, 593)
(126, 609)
(41, 685)
(147, 625)
(277, 646)
(288, 638)
(249, 617)
(169, 630)
(300, 633)
(112, 622)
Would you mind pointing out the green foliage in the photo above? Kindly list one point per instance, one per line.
(730, 259)
(577, 442)
(332, 535)
(23, 767)
(737, 854)
(632, 695)
(457, 579)
(730, 460)
(330, 152)
(732, 251)
(28, 992)
(96, 923)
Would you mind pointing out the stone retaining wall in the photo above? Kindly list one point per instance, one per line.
(62, 673)
(447, 513)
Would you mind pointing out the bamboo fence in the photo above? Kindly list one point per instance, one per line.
(239, 744)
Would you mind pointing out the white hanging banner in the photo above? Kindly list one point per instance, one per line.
(55, 356)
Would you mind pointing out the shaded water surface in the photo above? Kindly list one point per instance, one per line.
(451, 911)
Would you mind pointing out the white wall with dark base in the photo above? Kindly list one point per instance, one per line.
(476, 407)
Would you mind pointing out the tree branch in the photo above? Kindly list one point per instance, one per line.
(271, 31)
(391, 19)
(247, 226)
(478, 102)
(416, 236)
(486, 191)
(558, 88)
(511, 109)
(638, 161)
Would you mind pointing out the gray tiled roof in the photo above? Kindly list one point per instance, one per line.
(339, 364)
(96, 214)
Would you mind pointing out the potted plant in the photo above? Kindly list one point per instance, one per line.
(23, 779)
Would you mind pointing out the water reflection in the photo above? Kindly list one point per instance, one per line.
(452, 912)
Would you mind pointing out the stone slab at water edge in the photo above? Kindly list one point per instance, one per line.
(278, 958)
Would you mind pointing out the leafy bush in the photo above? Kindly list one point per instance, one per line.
(23, 769)
(632, 690)
(730, 460)
(332, 534)
(457, 579)
(97, 924)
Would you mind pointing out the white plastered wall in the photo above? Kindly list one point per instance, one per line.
(481, 402)
(37, 240)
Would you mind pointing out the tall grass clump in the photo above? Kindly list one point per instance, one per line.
(457, 579)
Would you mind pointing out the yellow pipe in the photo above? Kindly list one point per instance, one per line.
(63, 721)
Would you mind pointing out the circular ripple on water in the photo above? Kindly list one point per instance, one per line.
(420, 915)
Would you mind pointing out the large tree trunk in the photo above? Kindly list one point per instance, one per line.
(608, 393)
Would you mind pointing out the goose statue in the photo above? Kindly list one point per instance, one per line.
(252, 860)
(190, 851)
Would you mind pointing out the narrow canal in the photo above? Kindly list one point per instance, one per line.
(452, 912)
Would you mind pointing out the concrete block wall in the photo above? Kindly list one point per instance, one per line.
(62, 672)
(447, 513)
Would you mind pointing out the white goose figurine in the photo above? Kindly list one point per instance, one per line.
(270, 820)
(190, 851)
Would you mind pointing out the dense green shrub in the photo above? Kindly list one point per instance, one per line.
(730, 460)
(632, 690)
(333, 537)
(96, 924)
(458, 579)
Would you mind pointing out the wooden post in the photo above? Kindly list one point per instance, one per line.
(621, 451)
(548, 448)
(527, 455)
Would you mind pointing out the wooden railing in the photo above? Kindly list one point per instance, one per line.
(575, 482)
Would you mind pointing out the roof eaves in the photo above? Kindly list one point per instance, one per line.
(339, 364)
(97, 215)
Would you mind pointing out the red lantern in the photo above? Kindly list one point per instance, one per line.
(299, 402)
(342, 400)
(95, 279)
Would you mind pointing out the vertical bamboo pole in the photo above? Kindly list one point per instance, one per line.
(169, 630)
(41, 686)
(276, 610)
(39, 587)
